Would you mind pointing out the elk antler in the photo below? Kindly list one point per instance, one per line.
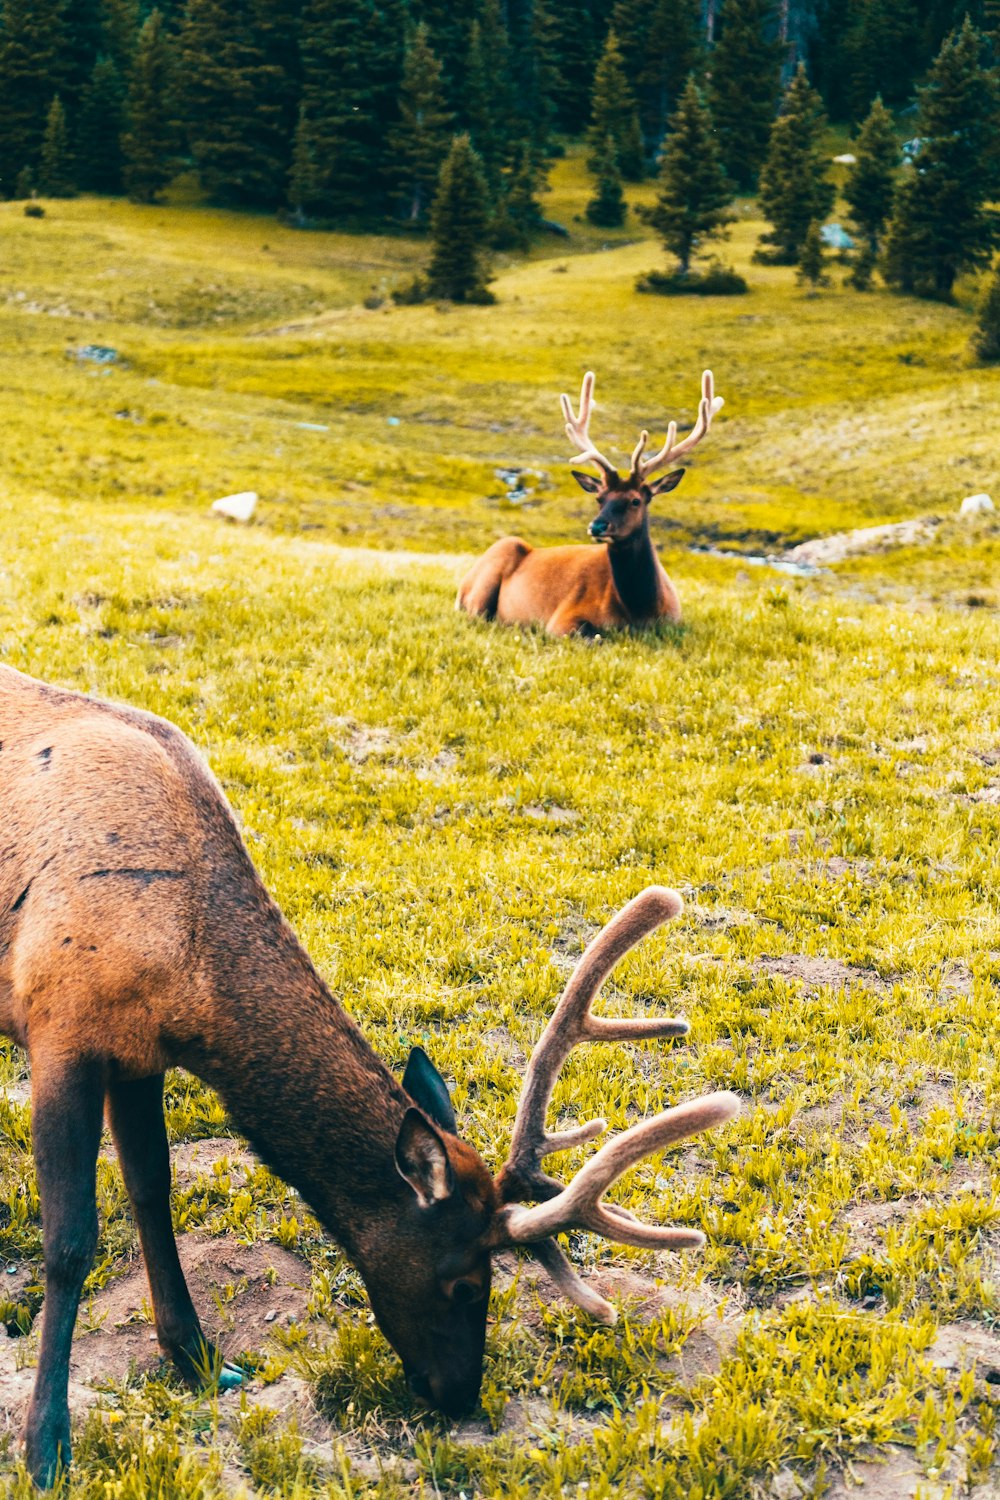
(709, 404)
(577, 428)
(578, 1205)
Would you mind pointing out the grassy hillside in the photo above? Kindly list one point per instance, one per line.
(447, 810)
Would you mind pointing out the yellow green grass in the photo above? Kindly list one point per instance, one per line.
(446, 811)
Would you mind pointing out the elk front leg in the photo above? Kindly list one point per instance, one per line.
(135, 1113)
(66, 1112)
(567, 620)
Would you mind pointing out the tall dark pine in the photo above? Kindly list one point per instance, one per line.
(692, 205)
(942, 225)
(120, 25)
(532, 85)
(607, 208)
(55, 172)
(421, 140)
(81, 21)
(485, 104)
(32, 54)
(460, 225)
(302, 174)
(871, 182)
(745, 86)
(885, 52)
(449, 27)
(794, 187)
(229, 99)
(660, 44)
(99, 129)
(149, 145)
(574, 44)
(986, 339)
(613, 112)
(352, 63)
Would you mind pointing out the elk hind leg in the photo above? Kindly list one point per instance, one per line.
(66, 1115)
(479, 591)
(135, 1113)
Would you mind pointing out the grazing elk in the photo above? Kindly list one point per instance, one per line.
(569, 589)
(135, 934)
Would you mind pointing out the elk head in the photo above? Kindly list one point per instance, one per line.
(624, 503)
(436, 1319)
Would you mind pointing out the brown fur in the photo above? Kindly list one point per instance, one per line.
(136, 935)
(588, 589)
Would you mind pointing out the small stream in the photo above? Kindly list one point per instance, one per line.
(759, 560)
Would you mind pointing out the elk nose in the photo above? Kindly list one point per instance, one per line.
(598, 527)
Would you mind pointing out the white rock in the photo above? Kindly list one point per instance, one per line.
(846, 159)
(236, 507)
(976, 505)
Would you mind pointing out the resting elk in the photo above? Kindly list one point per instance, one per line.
(135, 935)
(578, 589)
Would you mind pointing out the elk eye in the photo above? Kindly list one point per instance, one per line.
(636, 502)
(463, 1292)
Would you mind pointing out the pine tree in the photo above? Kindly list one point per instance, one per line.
(99, 129)
(871, 182)
(812, 261)
(150, 142)
(485, 110)
(352, 63)
(32, 51)
(941, 226)
(613, 112)
(81, 21)
(55, 178)
(884, 51)
(421, 140)
(518, 213)
(120, 23)
(745, 87)
(794, 188)
(449, 26)
(302, 175)
(532, 80)
(607, 208)
(692, 204)
(660, 46)
(986, 339)
(229, 101)
(863, 268)
(575, 53)
(460, 224)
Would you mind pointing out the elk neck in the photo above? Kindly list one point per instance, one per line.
(635, 570)
(296, 1074)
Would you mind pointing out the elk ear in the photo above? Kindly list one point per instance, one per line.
(667, 483)
(426, 1087)
(422, 1160)
(587, 482)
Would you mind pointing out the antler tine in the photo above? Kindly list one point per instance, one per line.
(578, 428)
(579, 1204)
(572, 1022)
(709, 404)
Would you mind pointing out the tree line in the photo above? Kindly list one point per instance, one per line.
(344, 110)
(354, 112)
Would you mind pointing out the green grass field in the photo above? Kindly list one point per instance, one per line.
(446, 810)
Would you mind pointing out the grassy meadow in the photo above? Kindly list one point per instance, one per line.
(447, 810)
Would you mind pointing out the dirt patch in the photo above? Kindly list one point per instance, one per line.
(815, 973)
(242, 1293)
(194, 1159)
(362, 742)
(894, 1476)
